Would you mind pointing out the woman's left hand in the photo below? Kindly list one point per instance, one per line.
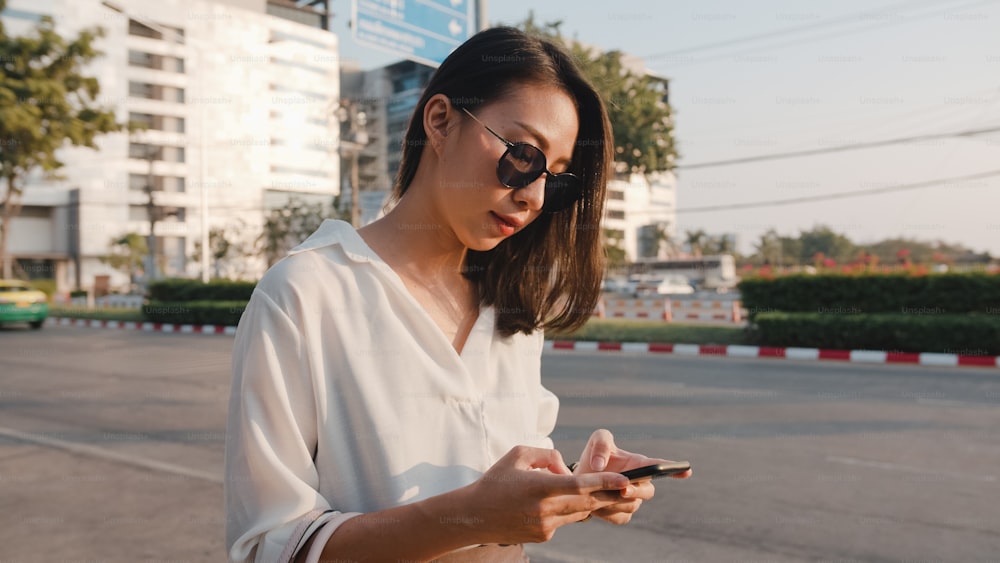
(601, 454)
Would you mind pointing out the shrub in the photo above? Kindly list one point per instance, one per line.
(969, 334)
(873, 293)
(183, 290)
(219, 313)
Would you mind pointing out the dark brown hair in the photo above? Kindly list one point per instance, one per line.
(548, 275)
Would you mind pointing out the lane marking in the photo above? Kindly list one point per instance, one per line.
(888, 466)
(110, 455)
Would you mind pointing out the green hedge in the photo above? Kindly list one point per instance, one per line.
(220, 313)
(185, 290)
(969, 334)
(873, 293)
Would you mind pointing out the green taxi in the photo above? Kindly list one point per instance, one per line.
(20, 303)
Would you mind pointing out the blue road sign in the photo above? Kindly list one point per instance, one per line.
(425, 31)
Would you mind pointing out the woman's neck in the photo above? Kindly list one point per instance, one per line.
(417, 244)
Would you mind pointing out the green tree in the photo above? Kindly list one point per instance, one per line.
(637, 103)
(777, 250)
(822, 239)
(696, 240)
(127, 255)
(286, 227)
(661, 239)
(46, 102)
(617, 258)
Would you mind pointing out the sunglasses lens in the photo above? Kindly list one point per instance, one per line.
(520, 165)
(561, 192)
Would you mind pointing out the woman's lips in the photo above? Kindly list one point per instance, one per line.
(506, 226)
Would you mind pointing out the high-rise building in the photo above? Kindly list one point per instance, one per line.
(388, 95)
(237, 100)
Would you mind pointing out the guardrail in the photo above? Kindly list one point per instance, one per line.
(670, 310)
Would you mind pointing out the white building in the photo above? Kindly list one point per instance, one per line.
(238, 105)
(639, 207)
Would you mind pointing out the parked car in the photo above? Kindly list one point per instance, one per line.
(668, 285)
(19, 303)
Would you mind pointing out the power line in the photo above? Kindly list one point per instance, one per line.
(842, 195)
(853, 17)
(820, 37)
(839, 148)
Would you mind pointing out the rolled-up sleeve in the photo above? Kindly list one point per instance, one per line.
(271, 494)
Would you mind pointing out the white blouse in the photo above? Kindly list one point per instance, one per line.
(347, 398)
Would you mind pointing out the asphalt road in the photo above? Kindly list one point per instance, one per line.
(111, 450)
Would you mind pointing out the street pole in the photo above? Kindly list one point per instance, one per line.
(357, 122)
(482, 21)
(151, 212)
(355, 190)
(202, 159)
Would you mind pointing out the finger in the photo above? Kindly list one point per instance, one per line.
(639, 490)
(586, 484)
(684, 475)
(598, 450)
(527, 457)
(616, 516)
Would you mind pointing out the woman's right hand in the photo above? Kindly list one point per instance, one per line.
(529, 493)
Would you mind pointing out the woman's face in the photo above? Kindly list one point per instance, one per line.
(479, 209)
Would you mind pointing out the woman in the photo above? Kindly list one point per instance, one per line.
(386, 400)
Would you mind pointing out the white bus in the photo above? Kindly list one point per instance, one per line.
(706, 272)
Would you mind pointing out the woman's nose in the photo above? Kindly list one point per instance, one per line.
(533, 194)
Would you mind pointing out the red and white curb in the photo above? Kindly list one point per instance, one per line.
(732, 351)
(735, 351)
(154, 327)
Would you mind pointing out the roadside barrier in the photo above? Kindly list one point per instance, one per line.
(669, 310)
(731, 311)
(731, 351)
(656, 309)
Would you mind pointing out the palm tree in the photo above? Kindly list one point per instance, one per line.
(696, 240)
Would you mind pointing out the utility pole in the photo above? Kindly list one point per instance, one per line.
(355, 121)
(151, 214)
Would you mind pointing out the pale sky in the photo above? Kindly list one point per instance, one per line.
(795, 75)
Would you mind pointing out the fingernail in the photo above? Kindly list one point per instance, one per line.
(628, 492)
(597, 463)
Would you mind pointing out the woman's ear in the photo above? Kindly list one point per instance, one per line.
(438, 117)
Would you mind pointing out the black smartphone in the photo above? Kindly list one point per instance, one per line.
(657, 470)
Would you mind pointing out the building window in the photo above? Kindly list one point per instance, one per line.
(615, 214)
(142, 90)
(175, 184)
(139, 29)
(138, 213)
(153, 61)
(616, 195)
(149, 91)
(144, 60)
(143, 151)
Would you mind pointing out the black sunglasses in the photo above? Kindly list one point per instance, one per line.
(522, 164)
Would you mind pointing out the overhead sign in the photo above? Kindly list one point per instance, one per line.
(425, 31)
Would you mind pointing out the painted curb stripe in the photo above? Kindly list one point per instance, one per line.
(732, 351)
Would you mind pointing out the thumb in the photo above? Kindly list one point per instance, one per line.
(598, 450)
